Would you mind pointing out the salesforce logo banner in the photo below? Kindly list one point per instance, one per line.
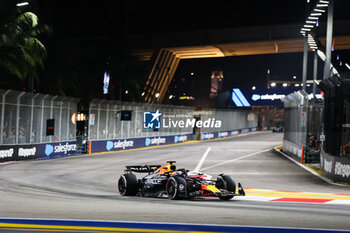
(57, 149)
(131, 143)
(265, 97)
(234, 132)
(207, 136)
(155, 141)
(119, 144)
(116, 144)
(181, 138)
(223, 134)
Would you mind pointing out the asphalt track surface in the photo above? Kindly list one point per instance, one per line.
(84, 187)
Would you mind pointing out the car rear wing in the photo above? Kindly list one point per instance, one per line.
(143, 169)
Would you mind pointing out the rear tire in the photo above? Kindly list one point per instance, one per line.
(227, 183)
(128, 185)
(176, 188)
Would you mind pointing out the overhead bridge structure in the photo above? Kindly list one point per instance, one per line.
(165, 50)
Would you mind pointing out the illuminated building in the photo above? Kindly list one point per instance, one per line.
(217, 79)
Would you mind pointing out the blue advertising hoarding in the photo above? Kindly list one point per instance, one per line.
(131, 143)
(223, 134)
(266, 97)
(57, 149)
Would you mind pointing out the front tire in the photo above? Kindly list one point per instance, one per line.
(128, 185)
(176, 188)
(227, 183)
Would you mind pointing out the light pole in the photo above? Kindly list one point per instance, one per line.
(306, 51)
(315, 75)
(327, 65)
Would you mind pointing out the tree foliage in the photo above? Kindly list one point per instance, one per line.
(22, 54)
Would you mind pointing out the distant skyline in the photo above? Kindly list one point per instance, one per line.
(248, 71)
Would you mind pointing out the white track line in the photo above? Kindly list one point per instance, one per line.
(199, 165)
(233, 160)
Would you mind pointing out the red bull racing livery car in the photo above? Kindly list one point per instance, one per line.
(168, 181)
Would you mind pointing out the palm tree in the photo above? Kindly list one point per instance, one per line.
(21, 52)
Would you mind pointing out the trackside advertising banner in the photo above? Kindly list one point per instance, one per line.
(37, 151)
(18, 152)
(57, 149)
(131, 143)
(335, 168)
(267, 97)
(223, 134)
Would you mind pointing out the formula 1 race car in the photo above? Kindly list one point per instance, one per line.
(167, 181)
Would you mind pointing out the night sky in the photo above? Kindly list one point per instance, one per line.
(99, 18)
(91, 22)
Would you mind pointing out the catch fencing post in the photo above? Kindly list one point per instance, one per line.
(31, 119)
(17, 114)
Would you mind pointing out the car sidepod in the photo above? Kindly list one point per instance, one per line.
(153, 185)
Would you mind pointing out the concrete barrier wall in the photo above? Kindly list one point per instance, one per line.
(293, 149)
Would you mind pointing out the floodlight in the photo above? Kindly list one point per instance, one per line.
(319, 10)
(322, 5)
(306, 29)
(22, 4)
(347, 65)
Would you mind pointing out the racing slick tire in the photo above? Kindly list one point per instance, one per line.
(227, 183)
(176, 188)
(128, 185)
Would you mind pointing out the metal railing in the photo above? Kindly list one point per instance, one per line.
(107, 123)
(295, 127)
(303, 125)
(23, 117)
(105, 120)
